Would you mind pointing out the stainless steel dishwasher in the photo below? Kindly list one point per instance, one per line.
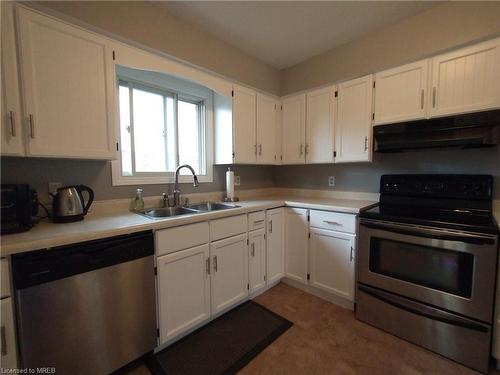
(87, 308)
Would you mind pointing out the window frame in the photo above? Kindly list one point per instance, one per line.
(206, 131)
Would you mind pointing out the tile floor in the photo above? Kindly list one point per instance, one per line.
(327, 339)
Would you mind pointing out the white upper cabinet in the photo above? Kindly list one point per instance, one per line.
(319, 126)
(466, 80)
(296, 240)
(11, 134)
(68, 89)
(294, 129)
(244, 122)
(354, 120)
(400, 93)
(266, 129)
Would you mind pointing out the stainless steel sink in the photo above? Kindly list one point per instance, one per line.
(211, 206)
(162, 212)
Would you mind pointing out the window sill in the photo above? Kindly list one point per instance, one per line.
(123, 180)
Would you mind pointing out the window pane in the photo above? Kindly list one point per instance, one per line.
(189, 135)
(125, 142)
(149, 132)
(171, 136)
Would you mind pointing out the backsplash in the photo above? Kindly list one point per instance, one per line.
(38, 172)
(365, 177)
(359, 177)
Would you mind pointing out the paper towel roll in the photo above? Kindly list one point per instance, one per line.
(230, 184)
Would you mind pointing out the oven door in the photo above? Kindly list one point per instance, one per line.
(452, 270)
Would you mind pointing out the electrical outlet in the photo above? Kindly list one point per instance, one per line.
(53, 186)
(331, 180)
(237, 181)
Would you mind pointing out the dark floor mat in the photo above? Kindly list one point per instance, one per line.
(224, 345)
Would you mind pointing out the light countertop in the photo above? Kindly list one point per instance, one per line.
(100, 225)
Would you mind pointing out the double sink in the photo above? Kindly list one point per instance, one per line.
(163, 212)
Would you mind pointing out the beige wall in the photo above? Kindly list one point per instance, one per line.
(154, 27)
(437, 29)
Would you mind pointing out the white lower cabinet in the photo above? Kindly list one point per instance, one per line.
(229, 258)
(183, 291)
(275, 241)
(257, 260)
(8, 336)
(331, 262)
(297, 230)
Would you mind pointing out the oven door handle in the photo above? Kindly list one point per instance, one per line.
(430, 233)
(421, 309)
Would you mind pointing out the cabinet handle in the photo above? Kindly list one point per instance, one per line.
(255, 149)
(307, 148)
(3, 341)
(422, 99)
(332, 222)
(352, 254)
(253, 249)
(208, 266)
(32, 126)
(366, 143)
(12, 119)
(301, 149)
(260, 149)
(258, 221)
(270, 226)
(433, 97)
(215, 263)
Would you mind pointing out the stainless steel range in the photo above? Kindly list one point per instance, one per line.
(427, 264)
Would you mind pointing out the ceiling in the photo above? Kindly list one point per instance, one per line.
(284, 33)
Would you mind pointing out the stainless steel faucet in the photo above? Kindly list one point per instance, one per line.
(177, 192)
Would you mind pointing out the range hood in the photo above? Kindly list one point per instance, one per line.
(481, 129)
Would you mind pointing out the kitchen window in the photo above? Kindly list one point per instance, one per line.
(161, 128)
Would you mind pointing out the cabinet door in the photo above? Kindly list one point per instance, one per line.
(275, 244)
(183, 291)
(294, 129)
(354, 120)
(229, 272)
(279, 134)
(9, 348)
(319, 126)
(466, 80)
(332, 262)
(297, 231)
(68, 88)
(266, 129)
(400, 93)
(257, 260)
(244, 123)
(10, 135)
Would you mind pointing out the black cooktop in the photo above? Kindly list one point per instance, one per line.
(461, 202)
(458, 219)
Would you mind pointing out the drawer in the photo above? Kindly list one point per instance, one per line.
(5, 278)
(227, 227)
(333, 221)
(180, 238)
(256, 220)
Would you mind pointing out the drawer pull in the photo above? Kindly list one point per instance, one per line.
(215, 263)
(258, 221)
(332, 222)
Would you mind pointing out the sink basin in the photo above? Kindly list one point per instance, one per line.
(162, 212)
(211, 206)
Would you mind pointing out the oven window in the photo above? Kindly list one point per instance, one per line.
(445, 270)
